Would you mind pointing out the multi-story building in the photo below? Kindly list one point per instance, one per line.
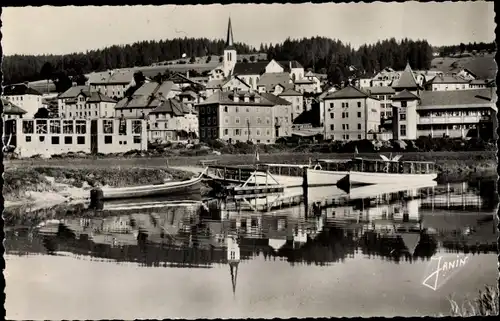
(443, 83)
(297, 101)
(384, 95)
(145, 99)
(99, 105)
(457, 113)
(71, 103)
(350, 114)
(23, 96)
(237, 116)
(404, 105)
(113, 84)
(282, 111)
(172, 120)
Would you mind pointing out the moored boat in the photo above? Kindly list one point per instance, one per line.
(171, 188)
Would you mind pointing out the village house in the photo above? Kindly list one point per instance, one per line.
(99, 105)
(443, 83)
(293, 68)
(306, 85)
(71, 103)
(237, 116)
(231, 83)
(316, 79)
(112, 83)
(172, 121)
(11, 111)
(274, 83)
(145, 99)
(297, 102)
(350, 114)
(24, 97)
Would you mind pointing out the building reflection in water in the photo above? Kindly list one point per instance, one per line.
(400, 225)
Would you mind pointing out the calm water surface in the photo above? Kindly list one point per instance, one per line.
(366, 256)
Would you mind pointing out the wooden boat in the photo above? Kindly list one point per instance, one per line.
(171, 188)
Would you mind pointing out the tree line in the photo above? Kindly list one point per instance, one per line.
(470, 47)
(340, 61)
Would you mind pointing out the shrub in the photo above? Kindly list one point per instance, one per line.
(485, 304)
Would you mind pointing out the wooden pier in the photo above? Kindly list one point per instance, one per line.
(235, 181)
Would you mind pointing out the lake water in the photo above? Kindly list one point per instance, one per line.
(373, 254)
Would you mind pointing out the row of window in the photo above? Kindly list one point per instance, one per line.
(347, 137)
(18, 98)
(245, 132)
(455, 113)
(344, 115)
(345, 104)
(85, 114)
(42, 127)
(54, 140)
(344, 127)
(446, 126)
(53, 126)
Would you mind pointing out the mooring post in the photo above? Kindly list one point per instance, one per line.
(305, 184)
(96, 198)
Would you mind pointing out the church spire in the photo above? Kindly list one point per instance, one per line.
(229, 39)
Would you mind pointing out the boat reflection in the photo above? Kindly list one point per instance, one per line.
(394, 224)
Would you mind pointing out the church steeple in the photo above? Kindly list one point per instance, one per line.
(229, 38)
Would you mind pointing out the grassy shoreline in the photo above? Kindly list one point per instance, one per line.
(63, 180)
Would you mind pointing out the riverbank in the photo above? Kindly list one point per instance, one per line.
(45, 186)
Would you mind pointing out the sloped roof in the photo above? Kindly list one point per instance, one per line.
(348, 92)
(97, 97)
(11, 109)
(19, 89)
(171, 106)
(290, 92)
(73, 92)
(275, 99)
(166, 87)
(226, 97)
(250, 68)
(303, 81)
(407, 79)
(378, 90)
(270, 80)
(287, 63)
(470, 98)
(405, 94)
(447, 80)
(215, 83)
(111, 77)
(147, 89)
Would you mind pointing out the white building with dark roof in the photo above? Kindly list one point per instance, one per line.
(111, 83)
(350, 114)
(172, 121)
(24, 97)
(71, 103)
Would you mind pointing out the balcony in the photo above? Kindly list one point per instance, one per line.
(450, 119)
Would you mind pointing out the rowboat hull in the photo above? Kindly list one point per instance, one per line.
(172, 188)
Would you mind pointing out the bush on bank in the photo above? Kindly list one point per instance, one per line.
(18, 181)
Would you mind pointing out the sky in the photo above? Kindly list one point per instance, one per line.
(62, 30)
